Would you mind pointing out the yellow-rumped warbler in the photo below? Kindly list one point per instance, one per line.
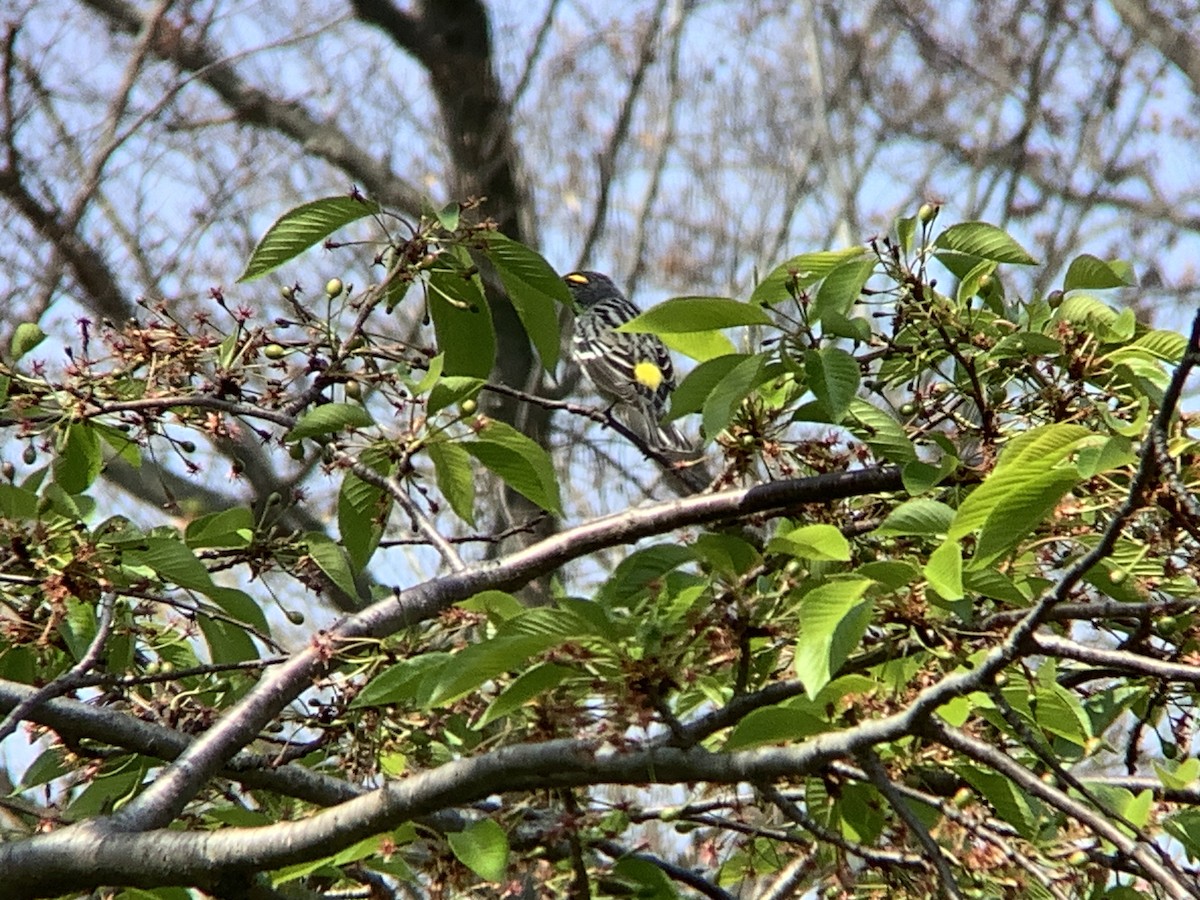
(634, 371)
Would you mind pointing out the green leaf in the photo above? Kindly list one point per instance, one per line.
(117, 782)
(1087, 311)
(482, 662)
(399, 683)
(26, 336)
(812, 542)
(691, 393)
(227, 643)
(456, 481)
(984, 241)
(1010, 803)
(892, 574)
(833, 377)
(329, 418)
(332, 559)
(462, 319)
(841, 288)
(120, 443)
(431, 376)
(1115, 453)
(1178, 776)
(944, 571)
(836, 325)
(524, 466)
(499, 606)
(80, 460)
(906, 230)
(1058, 711)
(636, 571)
(723, 402)
(448, 216)
(919, 477)
(535, 291)
(452, 389)
(530, 684)
(800, 272)
(17, 503)
(363, 511)
(1024, 344)
(700, 345)
(1023, 502)
(300, 228)
(834, 618)
(646, 881)
(228, 350)
(228, 529)
(687, 314)
(919, 516)
(880, 432)
(48, 766)
(775, 725)
(1022, 489)
(726, 553)
(1168, 346)
(78, 628)
(240, 605)
(1088, 272)
(1184, 826)
(956, 711)
(482, 848)
(969, 286)
(172, 561)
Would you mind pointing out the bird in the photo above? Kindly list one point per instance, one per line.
(633, 371)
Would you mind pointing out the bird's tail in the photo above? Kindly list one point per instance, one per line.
(662, 437)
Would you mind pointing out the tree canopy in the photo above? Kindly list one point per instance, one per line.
(936, 652)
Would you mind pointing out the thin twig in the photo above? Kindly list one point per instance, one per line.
(396, 490)
(879, 777)
(72, 678)
(674, 872)
(882, 858)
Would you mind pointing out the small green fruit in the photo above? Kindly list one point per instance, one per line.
(274, 351)
(30, 455)
(468, 407)
(333, 287)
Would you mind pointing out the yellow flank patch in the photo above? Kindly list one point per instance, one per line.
(648, 374)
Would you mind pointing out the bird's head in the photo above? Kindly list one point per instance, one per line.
(589, 288)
